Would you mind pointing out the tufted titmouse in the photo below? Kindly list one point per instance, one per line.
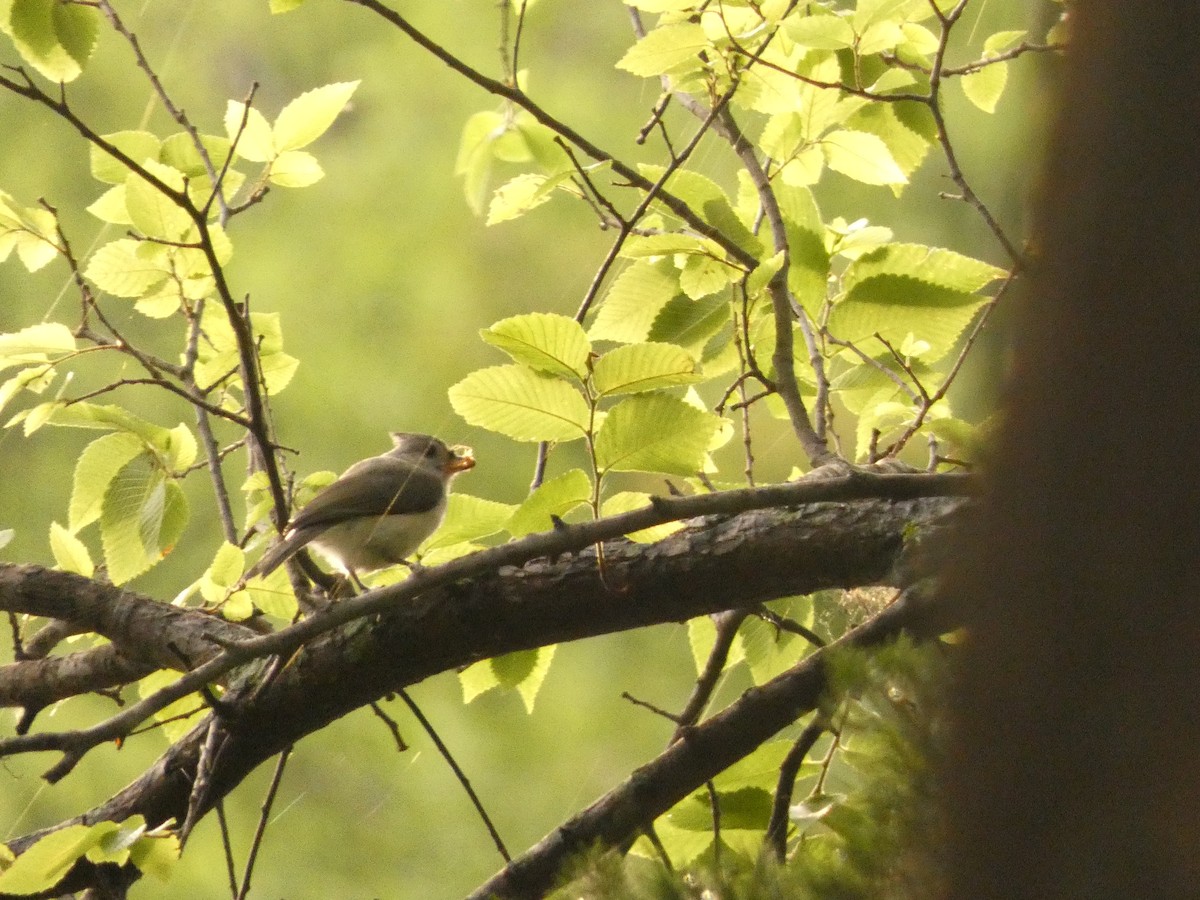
(379, 510)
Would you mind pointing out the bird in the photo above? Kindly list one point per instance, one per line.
(378, 511)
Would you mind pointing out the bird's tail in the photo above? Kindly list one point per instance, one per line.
(277, 555)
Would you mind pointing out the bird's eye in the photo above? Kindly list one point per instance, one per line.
(431, 451)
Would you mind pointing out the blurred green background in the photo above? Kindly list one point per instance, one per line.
(383, 278)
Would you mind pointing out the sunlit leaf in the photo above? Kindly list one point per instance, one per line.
(139, 146)
(902, 289)
(985, 86)
(151, 211)
(45, 863)
(633, 301)
(861, 156)
(554, 497)
(309, 116)
(474, 160)
(119, 269)
(253, 140)
(643, 367)
(522, 404)
(524, 670)
(547, 342)
(654, 433)
(70, 553)
(35, 344)
(469, 519)
(665, 49)
(176, 718)
(628, 501)
(296, 169)
(141, 517)
(98, 465)
(55, 38)
(820, 32)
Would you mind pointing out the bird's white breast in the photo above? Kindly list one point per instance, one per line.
(363, 545)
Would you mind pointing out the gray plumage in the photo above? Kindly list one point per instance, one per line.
(380, 509)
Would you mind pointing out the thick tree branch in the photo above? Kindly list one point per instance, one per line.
(714, 564)
(818, 487)
(704, 752)
(34, 683)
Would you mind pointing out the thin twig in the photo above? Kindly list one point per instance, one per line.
(458, 773)
(392, 726)
(790, 625)
(775, 838)
(263, 818)
(227, 847)
(727, 624)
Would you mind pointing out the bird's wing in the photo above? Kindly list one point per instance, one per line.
(387, 487)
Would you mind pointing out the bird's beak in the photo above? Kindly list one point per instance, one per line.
(461, 459)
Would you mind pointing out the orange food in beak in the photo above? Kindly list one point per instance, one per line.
(462, 460)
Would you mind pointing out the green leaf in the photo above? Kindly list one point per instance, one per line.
(628, 501)
(35, 380)
(703, 275)
(903, 289)
(139, 146)
(760, 769)
(769, 650)
(119, 269)
(110, 207)
(641, 246)
(871, 12)
(295, 169)
(309, 116)
(151, 211)
(156, 855)
(35, 344)
(477, 679)
(907, 148)
(45, 863)
(222, 573)
(142, 515)
(70, 553)
(524, 670)
(98, 465)
(175, 719)
(253, 141)
(861, 156)
(218, 356)
(643, 367)
(808, 273)
(748, 808)
(937, 266)
(667, 48)
(543, 341)
(690, 323)
(984, 87)
(179, 152)
(523, 193)
(55, 38)
(31, 231)
(820, 32)
(474, 160)
(554, 497)
(654, 433)
(273, 595)
(521, 404)
(633, 302)
(469, 519)
(706, 197)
